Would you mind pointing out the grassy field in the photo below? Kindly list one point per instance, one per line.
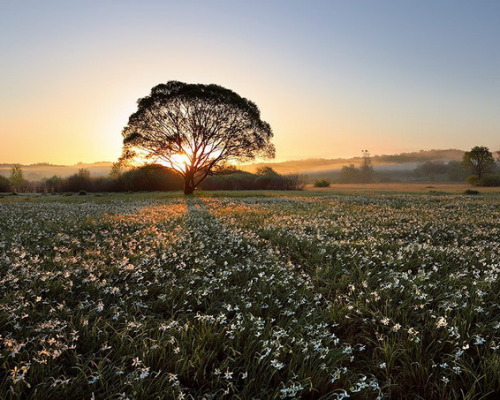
(410, 187)
(314, 295)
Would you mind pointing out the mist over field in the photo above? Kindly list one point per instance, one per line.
(313, 166)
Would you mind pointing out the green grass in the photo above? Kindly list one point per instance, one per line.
(249, 295)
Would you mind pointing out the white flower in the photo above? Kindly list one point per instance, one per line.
(276, 364)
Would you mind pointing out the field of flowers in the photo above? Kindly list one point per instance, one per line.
(364, 296)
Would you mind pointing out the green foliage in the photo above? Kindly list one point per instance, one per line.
(4, 184)
(268, 179)
(322, 183)
(431, 169)
(349, 174)
(492, 180)
(364, 174)
(456, 171)
(472, 180)
(53, 184)
(471, 192)
(149, 296)
(17, 177)
(479, 160)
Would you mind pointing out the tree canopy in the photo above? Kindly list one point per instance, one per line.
(479, 160)
(196, 129)
(17, 177)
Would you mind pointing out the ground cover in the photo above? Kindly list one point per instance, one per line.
(252, 297)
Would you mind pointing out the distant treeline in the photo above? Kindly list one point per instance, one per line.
(436, 170)
(150, 178)
(479, 161)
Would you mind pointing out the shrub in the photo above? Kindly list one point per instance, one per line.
(4, 184)
(490, 180)
(472, 180)
(321, 183)
(471, 192)
(150, 178)
(241, 180)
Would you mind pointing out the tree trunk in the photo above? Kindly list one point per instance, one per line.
(188, 185)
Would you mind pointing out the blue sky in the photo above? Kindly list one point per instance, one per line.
(331, 77)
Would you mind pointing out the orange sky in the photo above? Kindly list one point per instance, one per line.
(330, 77)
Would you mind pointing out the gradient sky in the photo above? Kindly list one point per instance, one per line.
(331, 77)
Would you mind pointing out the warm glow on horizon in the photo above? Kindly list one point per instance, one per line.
(330, 77)
(179, 162)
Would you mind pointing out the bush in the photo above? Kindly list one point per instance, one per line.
(150, 178)
(322, 183)
(471, 192)
(4, 185)
(241, 180)
(472, 180)
(490, 180)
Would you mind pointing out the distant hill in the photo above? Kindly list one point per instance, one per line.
(394, 162)
(384, 162)
(38, 171)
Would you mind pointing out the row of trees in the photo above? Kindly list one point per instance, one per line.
(437, 170)
(362, 174)
(479, 161)
(151, 178)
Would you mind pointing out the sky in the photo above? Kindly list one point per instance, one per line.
(331, 77)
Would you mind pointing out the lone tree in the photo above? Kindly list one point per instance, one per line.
(16, 177)
(366, 170)
(479, 160)
(196, 129)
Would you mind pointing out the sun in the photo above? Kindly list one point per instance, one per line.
(179, 161)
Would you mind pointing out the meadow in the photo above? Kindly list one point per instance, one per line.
(307, 295)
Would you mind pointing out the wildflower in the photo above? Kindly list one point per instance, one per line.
(276, 364)
(479, 340)
(228, 375)
(172, 377)
(136, 362)
(441, 322)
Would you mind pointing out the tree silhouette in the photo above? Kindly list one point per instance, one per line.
(479, 160)
(195, 129)
(367, 172)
